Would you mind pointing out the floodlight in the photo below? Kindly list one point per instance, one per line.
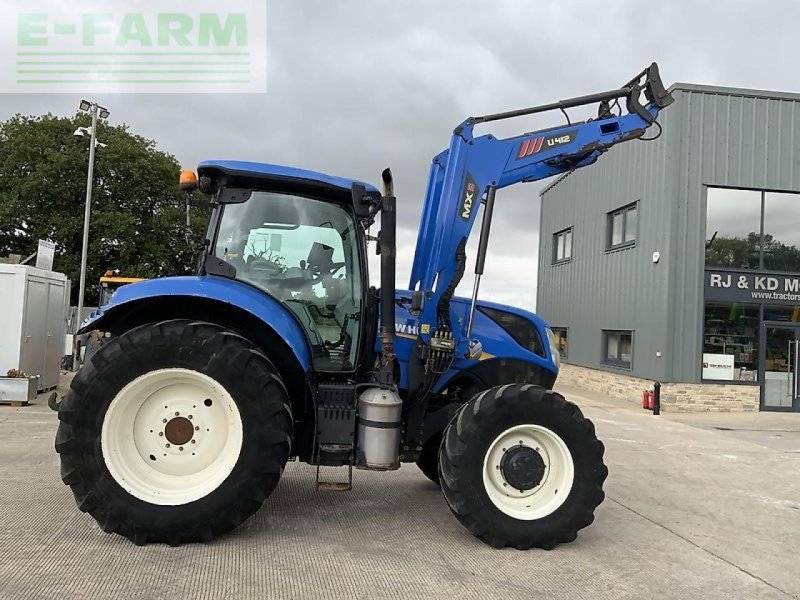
(104, 112)
(85, 105)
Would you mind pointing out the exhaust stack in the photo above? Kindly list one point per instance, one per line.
(388, 243)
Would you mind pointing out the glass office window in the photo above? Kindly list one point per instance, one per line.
(781, 233)
(785, 313)
(562, 246)
(730, 341)
(617, 228)
(560, 335)
(733, 227)
(631, 223)
(622, 227)
(618, 348)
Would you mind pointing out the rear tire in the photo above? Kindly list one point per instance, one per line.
(521, 466)
(174, 432)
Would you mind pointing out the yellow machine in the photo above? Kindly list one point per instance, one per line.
(109, 283)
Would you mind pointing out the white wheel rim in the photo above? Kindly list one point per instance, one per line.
(555, 485)
(146, 419)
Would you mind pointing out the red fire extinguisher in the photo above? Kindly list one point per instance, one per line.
(645, 399)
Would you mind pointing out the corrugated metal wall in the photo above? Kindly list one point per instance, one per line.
(712, 136)
(730, 138)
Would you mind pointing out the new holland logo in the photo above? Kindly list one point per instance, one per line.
(468, 198)
(531, 146)
(406, 329)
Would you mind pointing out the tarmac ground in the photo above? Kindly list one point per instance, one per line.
(697, 506)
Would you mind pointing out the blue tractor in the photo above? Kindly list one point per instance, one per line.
(179, 427)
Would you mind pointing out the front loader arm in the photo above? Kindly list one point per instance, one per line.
(473, 168)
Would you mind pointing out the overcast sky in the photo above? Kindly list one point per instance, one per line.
(358, 85)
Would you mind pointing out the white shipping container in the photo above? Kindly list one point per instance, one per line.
(33, 311)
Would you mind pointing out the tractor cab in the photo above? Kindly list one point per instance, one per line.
(302, 242)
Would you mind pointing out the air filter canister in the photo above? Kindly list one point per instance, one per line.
(379, 419)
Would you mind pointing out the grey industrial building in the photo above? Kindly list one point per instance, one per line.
(678, 260)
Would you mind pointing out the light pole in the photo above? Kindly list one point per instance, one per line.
(96, 111)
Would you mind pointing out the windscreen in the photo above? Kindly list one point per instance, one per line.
(304, 252)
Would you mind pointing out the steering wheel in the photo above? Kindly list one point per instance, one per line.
(317, 272)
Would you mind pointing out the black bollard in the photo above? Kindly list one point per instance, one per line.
(657, 398)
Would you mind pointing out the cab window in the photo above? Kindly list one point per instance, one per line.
(304, 252)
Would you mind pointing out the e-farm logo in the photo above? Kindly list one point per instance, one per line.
(164, 46)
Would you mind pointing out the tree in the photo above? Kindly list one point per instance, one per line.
(744, 253)
(779, 256)
(138, 213)
(735, 252)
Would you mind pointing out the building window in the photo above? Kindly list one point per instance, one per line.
(560, 338)
(623, 225)
(730, 341)
(618, 348)
(562, 246)
(733, 228)
(786, 313)
(735, 237)
(781, 237)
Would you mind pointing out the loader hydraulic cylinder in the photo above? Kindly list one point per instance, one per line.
(483, 245)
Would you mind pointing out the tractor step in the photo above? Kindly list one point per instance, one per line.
(336, 425)
(336, 486)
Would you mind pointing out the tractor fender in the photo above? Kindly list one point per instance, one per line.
(482, 376)
(204, 298)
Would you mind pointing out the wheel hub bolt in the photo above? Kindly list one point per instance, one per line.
(194, 441)
(160, 434)
(163, 420)
(166, 445)
(181, 448)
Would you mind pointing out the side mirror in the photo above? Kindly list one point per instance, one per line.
(364, 203)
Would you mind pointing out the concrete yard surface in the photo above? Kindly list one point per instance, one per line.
(698, 506)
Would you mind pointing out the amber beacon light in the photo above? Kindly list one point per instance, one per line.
(188, 180)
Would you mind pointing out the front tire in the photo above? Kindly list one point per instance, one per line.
(174, 432)
(521, 466)
(428, 461)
